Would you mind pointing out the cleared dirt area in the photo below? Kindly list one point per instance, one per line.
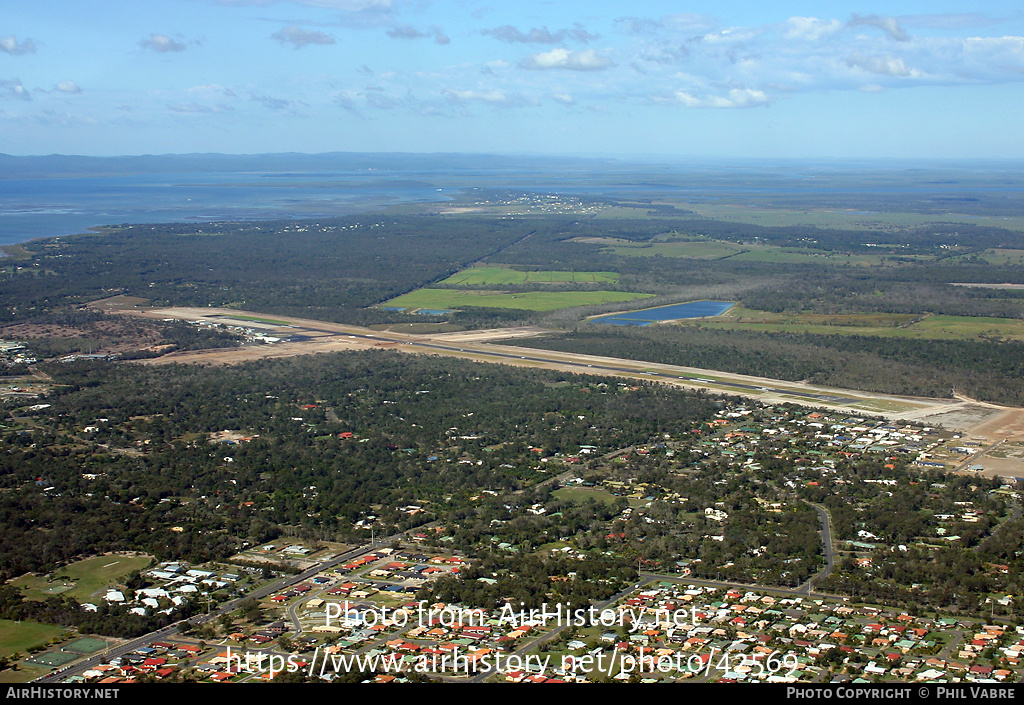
(1001, 467)
(1003, 424)
(1006, 457)
(957, 415)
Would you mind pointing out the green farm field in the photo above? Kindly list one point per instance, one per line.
(529, 301)
(934, 327)
(496, 276)
(83, 579)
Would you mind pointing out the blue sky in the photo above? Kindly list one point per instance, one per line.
(800, 79)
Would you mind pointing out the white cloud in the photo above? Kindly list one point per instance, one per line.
(1005, 47)
(272, 103)
(353, 14)
(586, 60)
(298, 37)
(542, 35)
(212, 90)
(198, 108)
(346, 5)
(10, 45)
(564, 98)
(882, 65)
(161, 43)
(682, 22)
(346, 100)
(811, 54)
(493, 97)
(948, 21)
(404, 31)
(381, 101)
(68, 87)
(689, 22)
(889, 25)
(810, 28)
(736, 98)
(12, 88)
(637, 25)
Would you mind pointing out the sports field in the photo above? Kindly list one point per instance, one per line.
(19, 637)
(82, 579)
(529, 301)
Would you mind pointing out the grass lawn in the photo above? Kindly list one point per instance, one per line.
(529, 301)
(83, 579)
(24, 674)
(585, 493)
(21, 636)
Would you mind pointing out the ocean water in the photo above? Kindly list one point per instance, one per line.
(48, 207)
